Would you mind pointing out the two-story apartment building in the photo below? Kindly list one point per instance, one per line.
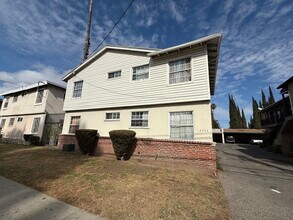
(25, 110)
(159, 93)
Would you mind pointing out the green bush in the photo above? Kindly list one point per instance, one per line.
(87, 139)
(123, 143)
(34, 140)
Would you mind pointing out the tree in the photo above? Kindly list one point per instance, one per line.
(232, 112)
(264, 100)
(88, 33)
(271, 96)
(260, 104)
(243, 120)
(215, 123)
(256, 118)
(250, 123)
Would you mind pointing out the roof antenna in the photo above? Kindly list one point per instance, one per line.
(88, 33)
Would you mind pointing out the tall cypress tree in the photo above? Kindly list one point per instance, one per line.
(271, 97)
(238, 116)
(215, 123)
(256, 117)
(232, 112)
(260, 104)
(250, 123)
(243, 120)
(264, 100)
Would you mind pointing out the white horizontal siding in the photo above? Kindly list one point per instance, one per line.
(101, 92)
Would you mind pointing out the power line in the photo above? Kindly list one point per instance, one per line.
(114, 26)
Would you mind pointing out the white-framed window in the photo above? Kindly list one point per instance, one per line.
(180, 71)
(40, 95)
(139, 119)
(11, 121)
(74, 124)
(36, 124)
(15, 98)
(113, 116)
(6, 103)
(19, 119)
(140, 72)
(114, 74)
(2, 123)
(77, 89)
(181, 125)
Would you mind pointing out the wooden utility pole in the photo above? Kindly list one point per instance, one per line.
(88, 33)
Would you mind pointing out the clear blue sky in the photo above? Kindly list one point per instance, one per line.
(44, 39)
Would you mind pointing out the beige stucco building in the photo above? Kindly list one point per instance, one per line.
(27, 109)
(159, 93)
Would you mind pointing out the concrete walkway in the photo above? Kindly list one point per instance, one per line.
(258, 184)
(20, 202)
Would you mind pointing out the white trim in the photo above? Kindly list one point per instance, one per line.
(169, 123)
(137, 80)
(138, 127)
(80, 80)
(208, 73)
(114, 72)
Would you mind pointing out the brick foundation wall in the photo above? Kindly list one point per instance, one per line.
(203, 153)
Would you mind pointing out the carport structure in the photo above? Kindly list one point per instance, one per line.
(241, 135)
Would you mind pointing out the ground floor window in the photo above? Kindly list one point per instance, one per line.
(36, 124)
(11, 121)
(139, 119)
(2, 123)
(181, 125)
(113, 116)
(74, 124)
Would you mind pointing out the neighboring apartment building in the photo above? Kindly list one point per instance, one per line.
(25, 110)
(159, 93)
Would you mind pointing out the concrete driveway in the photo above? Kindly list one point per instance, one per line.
(258, 184)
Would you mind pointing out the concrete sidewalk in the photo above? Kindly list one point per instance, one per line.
(20, 202)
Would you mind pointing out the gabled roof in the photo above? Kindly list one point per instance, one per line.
(213, 43)
(39, 84)
(284, 85)
(108, 47)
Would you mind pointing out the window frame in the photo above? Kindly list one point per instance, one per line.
(168, 70)
(9, 123)
(135, 126)
(37, 95)
(112, 119)
(132, 73)
(6, 102)
(169, 121)
(19, 119)
(32, 131)
(13, 99)
(74, 89)
(70, 123)
(113, 72)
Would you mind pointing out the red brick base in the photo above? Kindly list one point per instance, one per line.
(203, 153)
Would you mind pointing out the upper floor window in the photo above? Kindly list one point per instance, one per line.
(19, 119)
(74, 124)
(36, 124)
(11, 121)
(15, 98)
(2, 123)
(140, 72)
(180, 71)
(6, 103)
(139, 119)
(40, 95)
(114, 74)
(113, 116)
(77, 89)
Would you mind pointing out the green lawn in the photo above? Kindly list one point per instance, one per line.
(134, 189)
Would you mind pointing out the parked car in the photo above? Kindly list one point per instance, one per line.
(255, 141)
(230, 139)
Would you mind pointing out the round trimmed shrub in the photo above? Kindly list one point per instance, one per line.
(87, 139)
(123, 143)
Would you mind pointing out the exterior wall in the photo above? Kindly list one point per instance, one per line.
(55, 100)
(203, 154)
(100, 92)
(25, 104)
(24, 127)
(158, 120)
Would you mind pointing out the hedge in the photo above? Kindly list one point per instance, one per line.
(87, 139)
